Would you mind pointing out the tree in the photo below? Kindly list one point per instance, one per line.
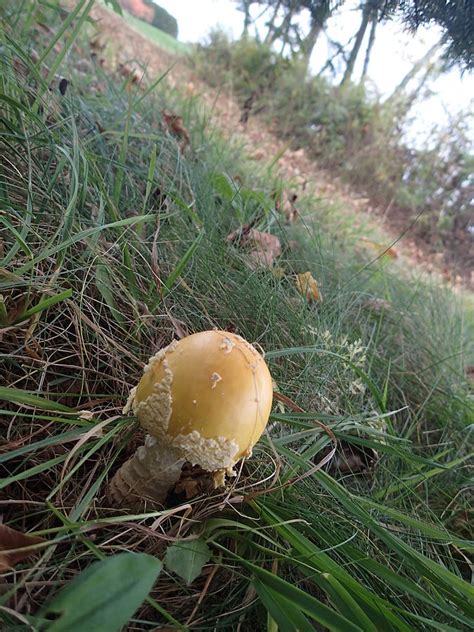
(163, 20)
(374, 18)
(244, 6)
(455, 17)
(150, 12)
(423, 64)
(367, 10)
(281, 26)
(271, 22)
(320, 11)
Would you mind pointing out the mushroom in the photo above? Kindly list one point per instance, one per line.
(204, 399)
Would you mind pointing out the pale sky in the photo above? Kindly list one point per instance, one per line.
(392, 56)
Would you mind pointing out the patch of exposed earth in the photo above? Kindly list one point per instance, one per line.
(142, 60)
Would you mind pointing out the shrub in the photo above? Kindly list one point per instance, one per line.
(164, 20)
(150, 12)
(439, 183)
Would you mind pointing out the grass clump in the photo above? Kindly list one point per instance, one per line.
(160, 38)
(113, 243)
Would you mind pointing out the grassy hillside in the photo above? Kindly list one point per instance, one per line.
(160, 38)
(115, 242)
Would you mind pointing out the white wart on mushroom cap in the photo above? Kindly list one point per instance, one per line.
(208, 395)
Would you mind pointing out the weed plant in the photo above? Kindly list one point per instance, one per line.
(114, 243)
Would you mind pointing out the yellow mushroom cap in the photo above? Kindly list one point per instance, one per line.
(209, 395)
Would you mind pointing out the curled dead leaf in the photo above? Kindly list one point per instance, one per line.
(308, 286)
(175, 126)
(132, 72)
(353, 459)
(379, 249)
(378, 305)
(15, 546)
(87, 415)
(192, 482)
(263, 248)
(285, 203)
(278, 273)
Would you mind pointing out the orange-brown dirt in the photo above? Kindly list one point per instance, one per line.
(261, 144)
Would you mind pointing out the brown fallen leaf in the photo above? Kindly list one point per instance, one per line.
(353, 459)
(285, 203)
(380, 249)
(263, 248)
(279, 273)
(259, 154)
(378, 305)
(11, 541)
(133, 73)
(308, 286)
(175, 126)
(192, 482)
(190, 89)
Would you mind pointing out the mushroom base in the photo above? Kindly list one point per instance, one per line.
(147, 476)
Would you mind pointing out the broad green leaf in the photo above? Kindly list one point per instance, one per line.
(187, 559)
(105, 595)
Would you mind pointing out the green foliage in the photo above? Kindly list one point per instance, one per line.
(157, 36)
(163, 20)
(252, 67)
(439, 183)
(456, 19)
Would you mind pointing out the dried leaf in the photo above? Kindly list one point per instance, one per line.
(87, 415)
(380, 249)
(175, 126)
(131, 72)
(285, 203)
(279, 273)
(353, 459)
(378, 305)
(192, 482)
(10, 541)
(308, 286)
(263, 248)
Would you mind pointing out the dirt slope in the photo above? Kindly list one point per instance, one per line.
(263, 145)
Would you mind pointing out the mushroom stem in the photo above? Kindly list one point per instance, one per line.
(148, 475)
